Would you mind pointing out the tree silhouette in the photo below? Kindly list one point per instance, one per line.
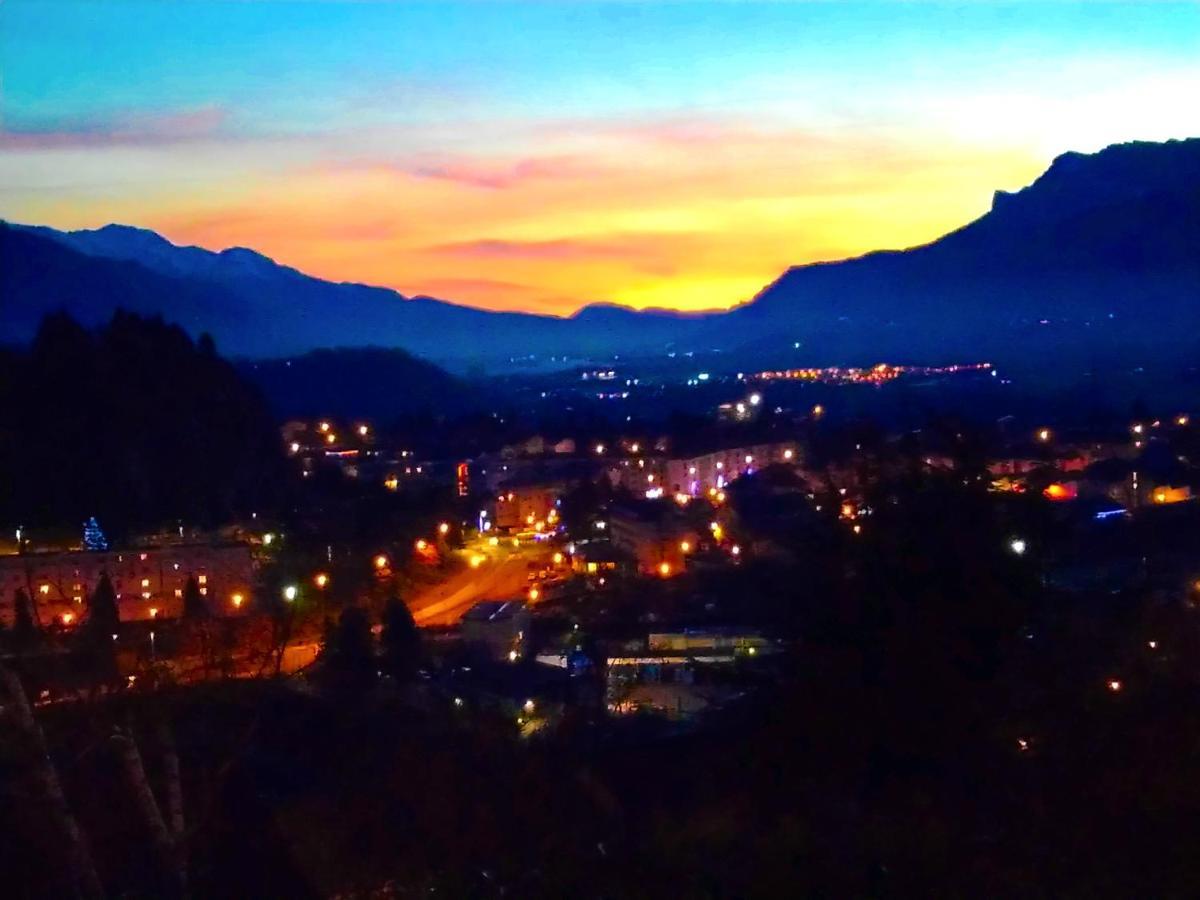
(349, 655)
(25, 633)
(103, 616)
(401, 640)
(194, 606)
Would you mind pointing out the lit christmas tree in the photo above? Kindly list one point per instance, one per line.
(93, 537)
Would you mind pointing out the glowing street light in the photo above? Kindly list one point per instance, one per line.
(1115, 686)
(534, 593)
(362, 430)
(444, 528)
(324, 427)
(558, 558)
(381, 561)
(290, 592)
(1017, 546)
(1043, 435)
(599, 449)
(237, 600)
(755, 399)
(421, 545)
(664, 569)
(321, 579)
(685, 547)
(330, 438)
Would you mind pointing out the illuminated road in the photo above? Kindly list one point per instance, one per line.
(502, 577)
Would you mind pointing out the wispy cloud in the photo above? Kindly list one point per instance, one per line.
(126, 129)
(500, 175)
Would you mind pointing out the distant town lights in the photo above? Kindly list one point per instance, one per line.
(755, 399)
(1043, 435)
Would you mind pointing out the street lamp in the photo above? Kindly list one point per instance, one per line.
(290, 592)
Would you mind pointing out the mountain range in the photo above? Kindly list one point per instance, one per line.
(1098, 259)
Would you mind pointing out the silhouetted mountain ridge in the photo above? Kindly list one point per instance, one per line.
(1100, 254)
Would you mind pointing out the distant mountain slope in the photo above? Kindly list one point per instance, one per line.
(266, 309)
(365, 382)
(1102, 251)
(1098, 259)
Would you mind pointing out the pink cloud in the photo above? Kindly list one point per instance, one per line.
(500, 176)
(127, 129)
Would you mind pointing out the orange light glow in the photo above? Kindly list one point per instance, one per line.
(664, 569)
(321, 579)
(1058, 491)
(381, 561)
(68, 618)
(444, 528)
(237, 600)
(534, 593)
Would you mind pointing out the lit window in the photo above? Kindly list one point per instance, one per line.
(204, 591)
(203, 579)
(145, 595)
(178, 592)
(44, 589)
(145, 582)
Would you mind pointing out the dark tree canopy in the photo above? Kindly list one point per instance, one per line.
(194, 606)
(134, 424)
(401, 640)
(349, 653)
(103, 618)
(25, 632)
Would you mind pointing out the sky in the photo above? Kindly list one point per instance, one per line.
(543, 156)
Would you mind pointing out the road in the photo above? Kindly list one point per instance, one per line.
(503, 576)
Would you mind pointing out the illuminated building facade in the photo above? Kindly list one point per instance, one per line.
(149, 583)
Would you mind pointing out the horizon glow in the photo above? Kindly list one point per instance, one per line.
(544, 156)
